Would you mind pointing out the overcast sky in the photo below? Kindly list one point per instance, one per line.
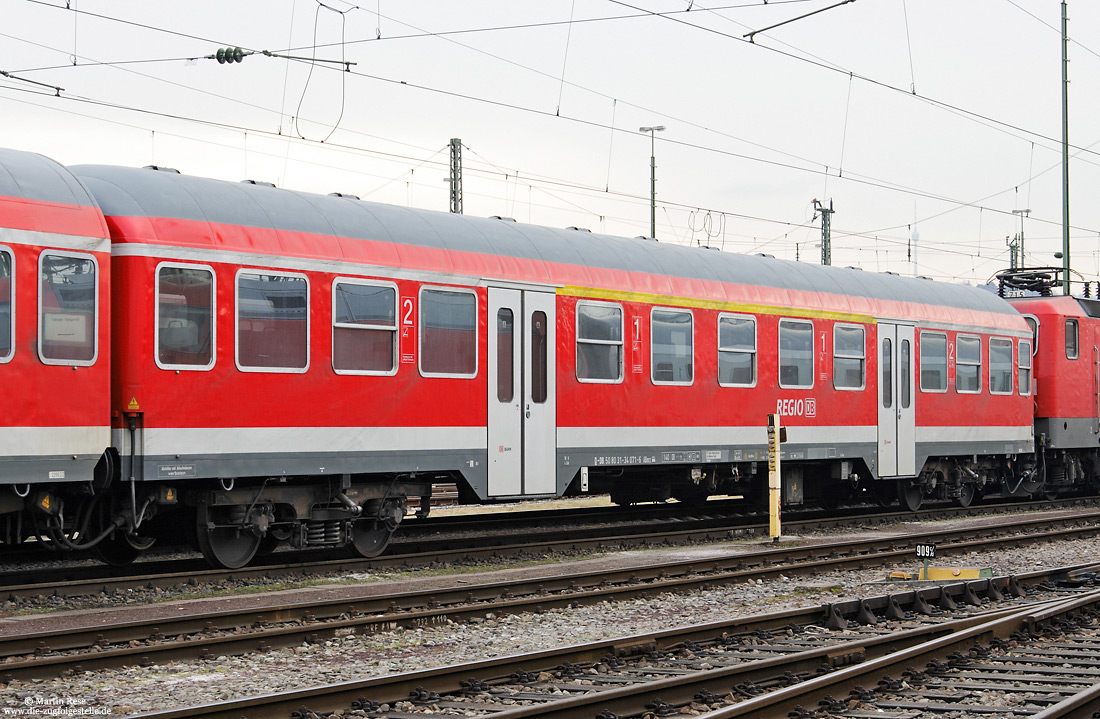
(939, 112)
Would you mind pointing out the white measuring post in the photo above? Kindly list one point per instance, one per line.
(774, 482)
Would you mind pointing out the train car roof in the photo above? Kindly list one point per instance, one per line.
(1064, 305)
(290, 223)
(41, 195)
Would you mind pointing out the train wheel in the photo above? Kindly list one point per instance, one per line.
(120, 549)
(884, 494)
(910, 495)
(230, 547)
(967, 492)
(370, 537)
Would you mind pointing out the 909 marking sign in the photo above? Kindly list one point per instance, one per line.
(926, 550)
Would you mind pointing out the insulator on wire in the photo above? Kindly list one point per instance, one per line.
(229, 54)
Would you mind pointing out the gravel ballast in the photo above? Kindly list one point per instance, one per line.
(137, 689)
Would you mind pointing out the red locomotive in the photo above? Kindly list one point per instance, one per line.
(1067, 380)
(288, 367)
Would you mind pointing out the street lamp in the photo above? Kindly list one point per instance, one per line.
(652, 179)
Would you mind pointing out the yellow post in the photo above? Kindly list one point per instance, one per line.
(774, 482)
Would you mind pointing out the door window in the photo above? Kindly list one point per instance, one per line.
(505, 352)
(538, 357)
(904, 373)
(887, 373)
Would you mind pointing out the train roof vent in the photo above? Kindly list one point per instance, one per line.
(889, 272)
(579, 229)
(853, 267)
(765, 254)
(158, 168)
(343, 194)
(506, 219)
(643, 237)
(925, 277)
(258, 183)
(708, 247)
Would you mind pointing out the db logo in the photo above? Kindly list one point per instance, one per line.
(796, 407)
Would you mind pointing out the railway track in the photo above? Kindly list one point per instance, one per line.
(483, 537)
(212, 634)
(753, 666)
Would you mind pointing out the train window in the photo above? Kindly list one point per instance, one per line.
(272, 318)
(7, 303)
(1071, 339)
(1024, 367)
(1000, 366)
(539, 352)
(904, 374)
(849, 356)
(796, 354)
(887, 373)
(599, 342)
(364, 328)
(185, 317)
(1033, 323)
(671, 348)
(968, 364)
(68, 308)
(448, 333)
(736, 351)
(506, 350)
(933, 362)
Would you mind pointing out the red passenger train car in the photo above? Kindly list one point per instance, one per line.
(54, 352)
(289, 367)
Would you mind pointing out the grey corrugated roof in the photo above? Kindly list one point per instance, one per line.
(133, 192)
(34, 177)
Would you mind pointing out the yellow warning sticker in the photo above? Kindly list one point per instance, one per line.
(133, 403)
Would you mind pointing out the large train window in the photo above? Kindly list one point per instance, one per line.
(968, 364)
(671, 348)
(7, 305)
(1000, 366)
(933, 362)
(272, 322)
(68, 309)
(184, 333)
(1071, 339)
(1024, 367)
(364, 327)
(796, 354)
(599, 342)
(448, 333)
(736, 351)
(849, 356)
